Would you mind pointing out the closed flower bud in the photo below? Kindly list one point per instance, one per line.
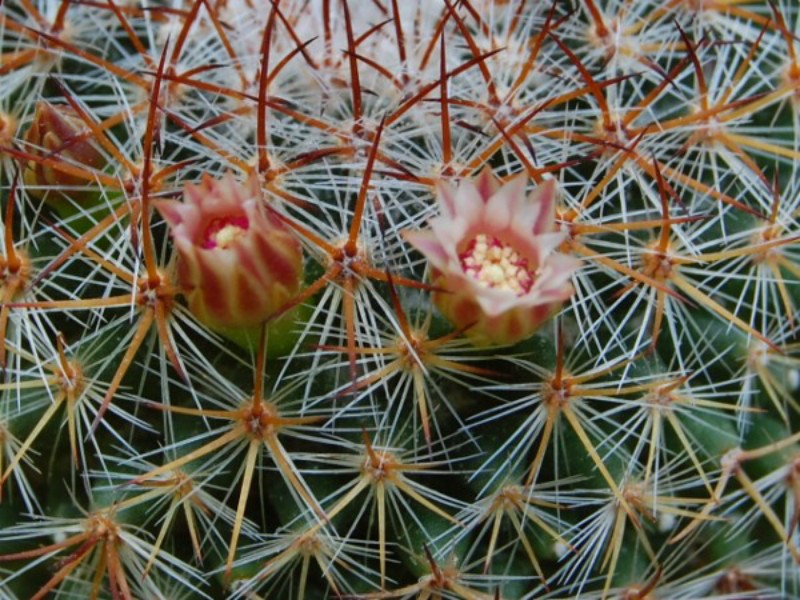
(494, 259)
(58, 133)
(237, 262)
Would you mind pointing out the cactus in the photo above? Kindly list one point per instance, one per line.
(453, 299)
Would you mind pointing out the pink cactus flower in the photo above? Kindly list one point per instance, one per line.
(493, 253)
(58, 132)
(237, 261)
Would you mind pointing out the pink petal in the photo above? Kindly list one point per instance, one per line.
(451, 232)
(496, 302)
(506, 205)
(170, 210)
(545, 197)
(428, 244)
(464, 203)
(487, 184)
(446, 196)
(548, 243)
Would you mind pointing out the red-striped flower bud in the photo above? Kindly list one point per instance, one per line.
(59, 134)
(493, 256)
(237, 261)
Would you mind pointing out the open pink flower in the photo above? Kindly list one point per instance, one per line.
(493, 254)
(237, 262)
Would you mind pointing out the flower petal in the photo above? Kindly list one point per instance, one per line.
(507, 205)
(486, 183)
(428, 244)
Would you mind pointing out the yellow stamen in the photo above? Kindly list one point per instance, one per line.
(495, 264)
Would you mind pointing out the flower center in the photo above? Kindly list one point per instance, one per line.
(221, 233)
(495, 264)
